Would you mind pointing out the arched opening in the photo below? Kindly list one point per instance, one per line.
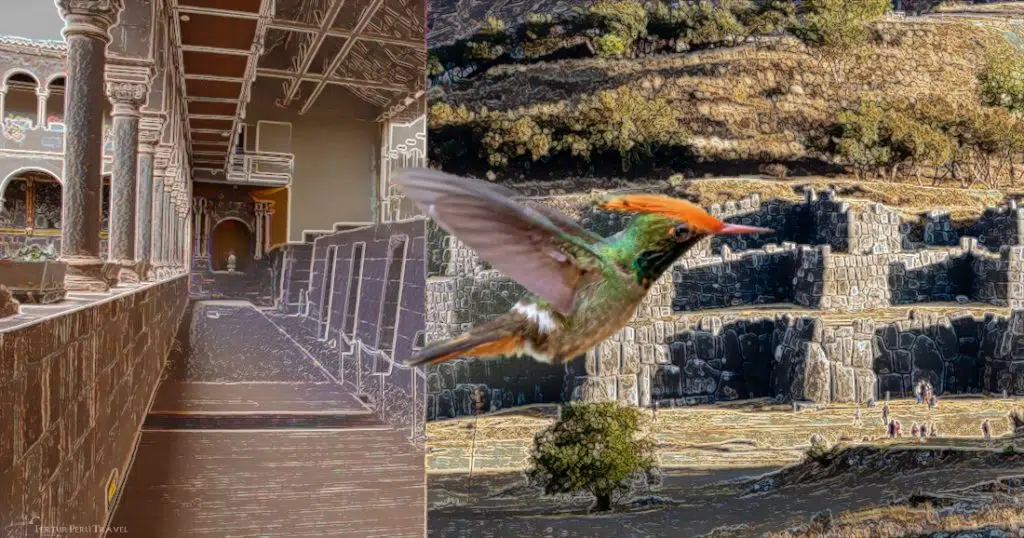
(21, 105)
(55, 104)
(32, 199)
(230, 236)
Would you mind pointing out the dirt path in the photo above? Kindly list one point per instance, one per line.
(703, 501)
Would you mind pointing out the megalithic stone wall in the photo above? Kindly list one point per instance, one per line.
(764, 315)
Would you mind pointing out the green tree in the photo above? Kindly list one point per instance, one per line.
(598, 448)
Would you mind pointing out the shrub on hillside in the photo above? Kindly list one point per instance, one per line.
(837, 25)
(596, 448)
(769, 17)
(626, 19)
(968, 144)
(700, 24)
(1002, 79)
(610, 45)
(490, 42)
(627, 123)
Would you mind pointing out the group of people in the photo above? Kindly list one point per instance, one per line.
(894, 428)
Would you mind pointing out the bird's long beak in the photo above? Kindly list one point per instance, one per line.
(735, 229)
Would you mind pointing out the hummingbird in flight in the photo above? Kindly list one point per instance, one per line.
(582, 287)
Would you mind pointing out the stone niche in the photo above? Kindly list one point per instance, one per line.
(230, 222)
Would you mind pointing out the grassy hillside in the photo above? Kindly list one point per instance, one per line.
(738, 108)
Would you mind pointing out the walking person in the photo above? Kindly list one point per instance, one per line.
(885, 413)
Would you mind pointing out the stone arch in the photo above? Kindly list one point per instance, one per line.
(19, 71)
(227, 235)
(21, 101)
(13, 174)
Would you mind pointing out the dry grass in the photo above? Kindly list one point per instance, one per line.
(1001, 8)
(718, 436)
(902, 521)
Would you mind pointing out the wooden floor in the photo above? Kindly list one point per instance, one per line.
(236, 445)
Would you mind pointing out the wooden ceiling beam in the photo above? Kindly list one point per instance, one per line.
(294, 26)
(340, 81)
(313, 49)
(364, 20)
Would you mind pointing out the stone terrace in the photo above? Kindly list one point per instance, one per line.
(770, 315)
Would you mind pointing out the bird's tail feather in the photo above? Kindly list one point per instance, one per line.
(486, 341)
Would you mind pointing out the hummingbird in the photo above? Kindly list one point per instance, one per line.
(582, 287)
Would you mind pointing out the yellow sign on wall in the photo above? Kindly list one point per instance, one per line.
(111, 487)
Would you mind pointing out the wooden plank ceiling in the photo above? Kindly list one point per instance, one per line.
(375, 49)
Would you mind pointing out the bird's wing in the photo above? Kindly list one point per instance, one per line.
(516, 239)
(560, 220)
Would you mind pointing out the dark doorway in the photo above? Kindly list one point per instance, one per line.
(229, 236)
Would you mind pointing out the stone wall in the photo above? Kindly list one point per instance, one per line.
(295, 263)
(828, 256)
(74, 390)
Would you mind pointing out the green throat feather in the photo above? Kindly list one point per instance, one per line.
(647, 247)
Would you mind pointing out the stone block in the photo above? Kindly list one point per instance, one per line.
(628, 391)
(644, 381)
(630, 359)
(844, 386)
(593, 389)
(866, 385)
(816, 382)
(609, 356)
(33, 405)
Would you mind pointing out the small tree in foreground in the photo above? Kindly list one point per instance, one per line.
(598, 448)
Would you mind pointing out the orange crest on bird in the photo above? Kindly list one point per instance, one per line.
(682, 210)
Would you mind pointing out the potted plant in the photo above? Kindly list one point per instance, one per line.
(34, 275)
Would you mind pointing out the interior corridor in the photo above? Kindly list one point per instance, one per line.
(249, 435)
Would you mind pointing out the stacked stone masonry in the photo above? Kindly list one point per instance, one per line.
(827, 257)
(74, 390)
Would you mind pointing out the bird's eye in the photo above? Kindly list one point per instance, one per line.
(681, 232)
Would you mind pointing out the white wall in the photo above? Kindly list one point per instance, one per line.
(336, 146)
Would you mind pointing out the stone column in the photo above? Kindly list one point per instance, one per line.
(3, 102)
(127, 89)
(86, 30)
(156, 226)
(149, 135)
(42, 94)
